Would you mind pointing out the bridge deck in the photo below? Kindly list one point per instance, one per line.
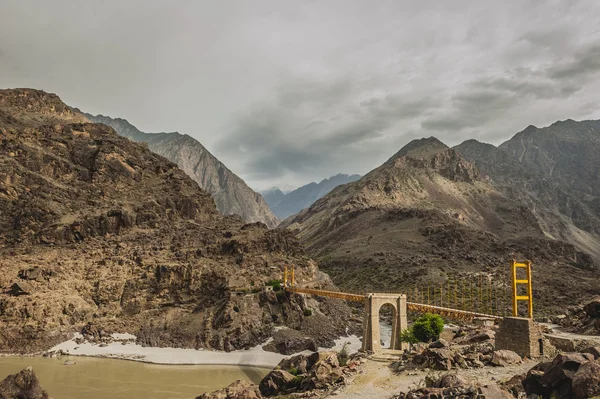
(412, 306)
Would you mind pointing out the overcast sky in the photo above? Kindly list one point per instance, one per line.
(288, 92)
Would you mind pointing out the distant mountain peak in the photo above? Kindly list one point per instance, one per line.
(421, 148)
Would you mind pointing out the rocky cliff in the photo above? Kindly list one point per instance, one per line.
(555, 171)
(285, 205)
(232, 195)
(427, 215)
(98, 233)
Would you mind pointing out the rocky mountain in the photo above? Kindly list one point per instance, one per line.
(554, 170)
(285, 205)
(429, 216)
(232, 195)
(99, 234)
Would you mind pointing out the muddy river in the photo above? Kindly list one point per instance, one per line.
(97, 378)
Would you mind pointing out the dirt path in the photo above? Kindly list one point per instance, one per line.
(377, 381)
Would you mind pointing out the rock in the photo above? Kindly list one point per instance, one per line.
(476, 337)
(325, 372)
(288, 342)
(491, 391)
(452, 380)
(300, 363)
(586, 381)
(23, 385)
(592, 308)
(440, 343)
(594, 350)
(278, 382)
(478, 364)
(68, 363)
(555, 378)
(236, 390)
(505, 357)
(460, 361)
(438, 359)
(34, 273)
(515, 385)
(20, 288)
(564, 367)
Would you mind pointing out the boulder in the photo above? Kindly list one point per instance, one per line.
(592, 308)
(491, 391)
(594, 350)
(236, 390)
(440, 343)
(555, 379)
(20, 288)
(23, 385)
(586, 381)
(451, 381)
(476, 337)
(288, 342)
(325, 372)
(34, 273)
(278, 382)
(504, 357)
(564, 367)
(438, 359)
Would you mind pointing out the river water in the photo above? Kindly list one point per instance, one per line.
(97, 378)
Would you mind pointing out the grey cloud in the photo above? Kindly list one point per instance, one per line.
(290, 92)
(585, 62)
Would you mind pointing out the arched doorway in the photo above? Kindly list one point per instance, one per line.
(387, 317)
(372, 336)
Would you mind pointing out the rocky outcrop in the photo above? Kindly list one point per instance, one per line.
(429, 209)
(231, 194)
(454, 386)
(236, 390)
(120, 237)
(285, 205)
(318, 371)
(583, 318)
(23, 385)
(569, 375)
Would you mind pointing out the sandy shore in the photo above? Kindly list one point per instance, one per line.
(122, 348)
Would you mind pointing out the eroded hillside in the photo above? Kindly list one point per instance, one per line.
(97, 230)
(429, 216)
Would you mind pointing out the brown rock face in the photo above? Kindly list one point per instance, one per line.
(124, 239)
(428, 216)
(23, 385)
(231, 194)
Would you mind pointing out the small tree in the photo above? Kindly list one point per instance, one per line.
(408, 336)
(428, 327)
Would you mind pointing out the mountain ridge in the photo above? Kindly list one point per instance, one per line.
(428, 216)
(287, 204)
(232, 195)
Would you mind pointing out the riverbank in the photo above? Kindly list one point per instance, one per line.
(123, 348)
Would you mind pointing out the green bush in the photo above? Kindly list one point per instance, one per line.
(343, 355)
(408, 336)
(428, 327)
(307, 312)
(294, 371)
(276, 284)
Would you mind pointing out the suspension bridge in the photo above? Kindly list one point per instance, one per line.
(486, 297)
